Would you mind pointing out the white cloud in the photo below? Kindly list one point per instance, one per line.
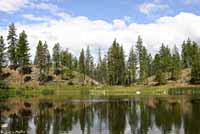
(78, 32)
(12, 5)
(148, 8)
(46, 6)
(35, 18)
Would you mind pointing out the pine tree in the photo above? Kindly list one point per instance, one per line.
(165, 56)
(82, 63)
(98, 68)
(195, 72)
(89, 65)
(2, 53)
(12, 43)
(116, 64)
(56, 56)
(142, 57)
(187, 53)
(47, 57)
(68, 60)
(160, 75)
(122, 67)
(132, 62)
(103, 70)
(162, 64)
(22, 50)
(175, 64)
(149, 65)
(40, 55)
(74, 63)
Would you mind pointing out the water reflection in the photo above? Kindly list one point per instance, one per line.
(114, 116)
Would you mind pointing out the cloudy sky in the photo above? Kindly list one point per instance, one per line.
(78, 23)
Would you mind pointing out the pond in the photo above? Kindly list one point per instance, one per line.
(101, 115)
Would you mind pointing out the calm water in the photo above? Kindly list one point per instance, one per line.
(135, 115)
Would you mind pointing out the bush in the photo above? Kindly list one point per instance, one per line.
(70, 83)
(27, 78)
(4, 76)
(67, 74)
(25, 70)
(27, 104)
(194, 81)
(57, 72)
(3, 85)
(49, 78)
(13, 67)
(47, 92)
(43, 78)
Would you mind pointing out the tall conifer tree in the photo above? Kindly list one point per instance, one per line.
(22, 50)
(2, 53)
(12, 43)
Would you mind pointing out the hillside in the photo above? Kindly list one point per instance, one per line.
(184, 79)
(16, 80)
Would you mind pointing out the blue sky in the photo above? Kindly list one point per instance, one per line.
(107, 10)
(78, 23)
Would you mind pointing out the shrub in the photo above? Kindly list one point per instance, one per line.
(4, 76)
(3, 85)
(27, 104)
(57, 72)
(194, 81)
(13, 67)
(67, 74)
(25, 70)
(49, 78)
(44, 78)
(70, 83)
(27, 78)
(47, 92)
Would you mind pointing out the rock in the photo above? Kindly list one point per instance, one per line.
(138, 92)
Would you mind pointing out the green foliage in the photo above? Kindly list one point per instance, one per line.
(47, 58)
(68, 60)
(42, 58)
(89, 63)
(188, 49)
(165, 58)
(56, 56)
(82, 63)
(12, 43)
(142, 60)
(101, 69)
(195, 73)
(67, 74)
(160, 77)
(116, 64)
(2, 53)
(3, 84)
(175, 64)
(22, 50)
(131, 67)
(47, 92)
(150, 65)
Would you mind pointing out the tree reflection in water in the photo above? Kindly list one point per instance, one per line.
(113, 116)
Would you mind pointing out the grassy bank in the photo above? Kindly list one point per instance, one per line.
(75, 91)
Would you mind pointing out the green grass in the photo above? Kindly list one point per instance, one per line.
(75, 91)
